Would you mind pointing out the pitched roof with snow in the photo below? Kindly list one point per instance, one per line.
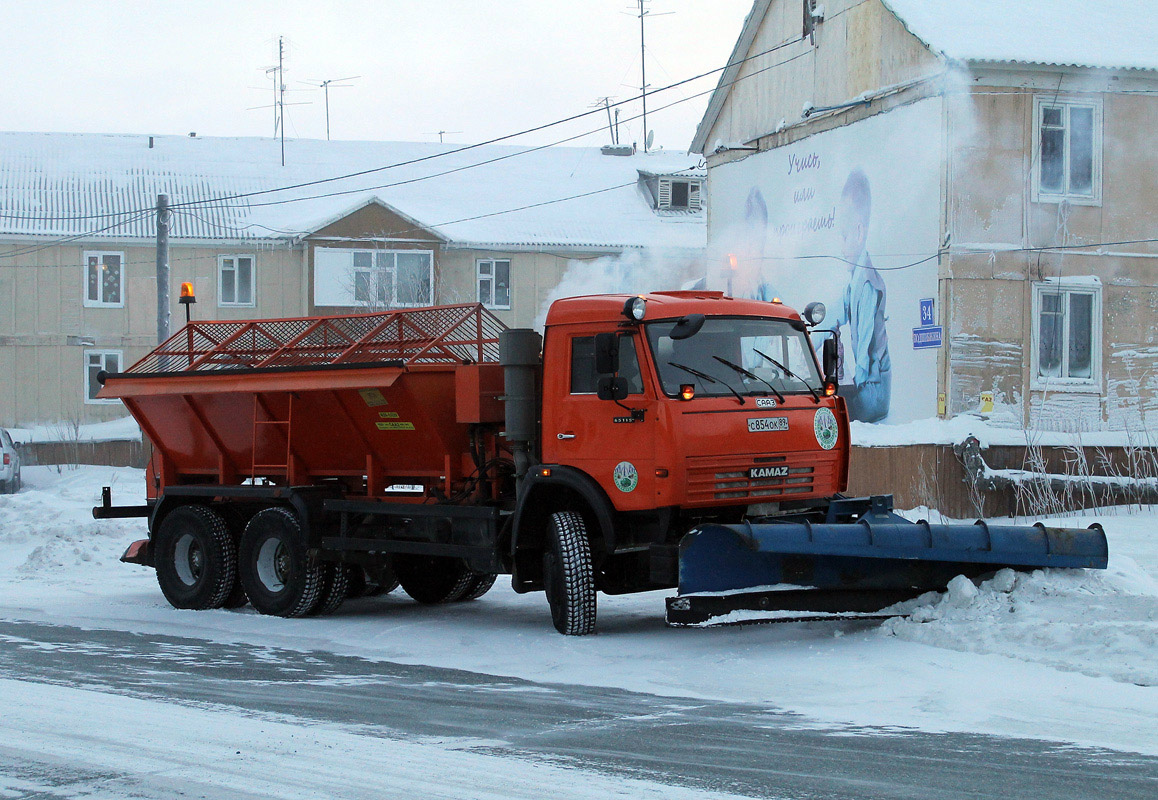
(1079, 33)
(90, 185)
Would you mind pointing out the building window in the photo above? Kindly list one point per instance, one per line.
(104, 280)
(391, 278)
(235, 281)
(94, 362)
(494, 283)
(679, 194)
(1068, 137)
(373, 279)
(1067, 335)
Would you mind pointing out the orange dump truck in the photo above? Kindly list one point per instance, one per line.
(677, 439)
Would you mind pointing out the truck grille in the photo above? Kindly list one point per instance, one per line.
(717, 478)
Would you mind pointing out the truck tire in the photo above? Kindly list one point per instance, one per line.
(433, 579)
(335, 589)
(195, 558)
(480, 584)
(568, 574)
(363, 585)
(275, 568)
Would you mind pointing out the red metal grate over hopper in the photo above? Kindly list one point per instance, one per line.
(371, 398)
(453, 334)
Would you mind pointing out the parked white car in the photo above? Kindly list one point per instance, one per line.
(9, 464)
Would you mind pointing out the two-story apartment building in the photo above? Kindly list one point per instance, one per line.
(343, 226)
(969, 187)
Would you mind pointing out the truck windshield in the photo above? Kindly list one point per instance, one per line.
(735, 356)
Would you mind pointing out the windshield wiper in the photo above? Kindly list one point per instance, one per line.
(752, 375)
(788, 372)
(705, 376)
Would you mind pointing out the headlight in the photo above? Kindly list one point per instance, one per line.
(635, 308)
(814, 313)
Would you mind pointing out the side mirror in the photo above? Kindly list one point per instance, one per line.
(829, 359)
(612, 388)
(687, 327)
(606, 353)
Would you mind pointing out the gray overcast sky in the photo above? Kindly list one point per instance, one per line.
(482, 69)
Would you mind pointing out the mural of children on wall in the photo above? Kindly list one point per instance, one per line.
(861, 317)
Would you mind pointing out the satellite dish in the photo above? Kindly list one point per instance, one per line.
(650, 140)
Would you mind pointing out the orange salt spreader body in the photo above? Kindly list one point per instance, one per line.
(684, 439)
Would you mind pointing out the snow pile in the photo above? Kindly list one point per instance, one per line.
(1101, 624)
(115, 430)
(47, 530)
(934, 430)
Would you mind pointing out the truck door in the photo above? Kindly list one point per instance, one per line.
(612, 442)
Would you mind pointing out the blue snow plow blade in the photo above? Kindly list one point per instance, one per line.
(868, 562)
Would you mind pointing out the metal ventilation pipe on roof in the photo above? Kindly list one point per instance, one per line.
(519, 350)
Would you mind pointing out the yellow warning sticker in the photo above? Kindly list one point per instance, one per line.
(373, 397)
(388, 414)
(395, 426)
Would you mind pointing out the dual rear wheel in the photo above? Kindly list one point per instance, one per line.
(202, 565)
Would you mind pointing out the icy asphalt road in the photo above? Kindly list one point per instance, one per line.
(599, 736)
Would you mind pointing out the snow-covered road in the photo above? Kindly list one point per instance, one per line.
(1052, 657)
(176, 701)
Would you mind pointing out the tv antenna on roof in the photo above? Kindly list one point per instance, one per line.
(325, 87)
(279, 90)
(439, 134)
(644, 13)
(612, 130)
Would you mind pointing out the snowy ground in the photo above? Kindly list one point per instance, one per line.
(1057, 656)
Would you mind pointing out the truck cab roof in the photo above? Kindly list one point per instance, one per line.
(663, 305)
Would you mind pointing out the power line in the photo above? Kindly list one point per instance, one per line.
(454, 151)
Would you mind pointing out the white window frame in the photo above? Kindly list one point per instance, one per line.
(376, 272)
(99, 255)
(89, 390)
(480, 278)
(221, 269)
(695, 194)
(1091, 385)
(1039, 195)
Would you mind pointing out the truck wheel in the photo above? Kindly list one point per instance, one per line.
(335, 589)
(357, 584)
(195, 557)
(568, 575)
(432, 579)
(480, 584)
(275, 569)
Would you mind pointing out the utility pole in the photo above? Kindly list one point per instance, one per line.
(643, 72)
(281, 93)
(162, 267)
(643, 12)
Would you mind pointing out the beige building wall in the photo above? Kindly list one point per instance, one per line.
(46, 330)
(533, 277)
(859, 47)
(1003, 242)
(1000, 240)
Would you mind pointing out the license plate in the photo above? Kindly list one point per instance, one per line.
(758, 424)
(767, 472)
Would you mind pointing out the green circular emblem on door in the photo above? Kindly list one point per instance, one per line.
(626, 476)
(824, 424)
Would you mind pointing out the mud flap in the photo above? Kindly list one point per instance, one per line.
(139, 552)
